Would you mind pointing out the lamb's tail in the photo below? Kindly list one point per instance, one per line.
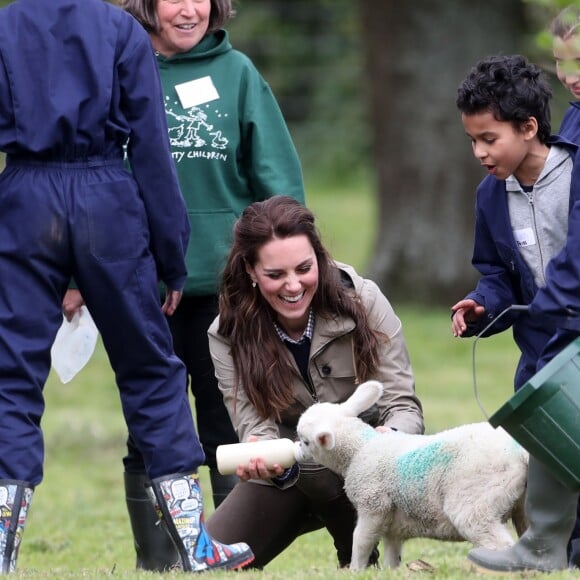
(518, 516)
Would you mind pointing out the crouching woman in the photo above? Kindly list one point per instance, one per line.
(295, 328)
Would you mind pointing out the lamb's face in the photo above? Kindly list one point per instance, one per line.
(318, 425)
(315, 429)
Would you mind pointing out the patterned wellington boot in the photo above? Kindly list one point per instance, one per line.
(179, 504)
(15, 498)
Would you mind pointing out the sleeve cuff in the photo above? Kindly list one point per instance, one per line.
(288, 478)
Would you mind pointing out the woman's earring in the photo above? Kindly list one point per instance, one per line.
(253, 284)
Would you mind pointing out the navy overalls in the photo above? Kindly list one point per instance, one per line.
(505, 277)
(78, 81)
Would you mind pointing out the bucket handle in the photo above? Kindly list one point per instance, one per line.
(513, 307)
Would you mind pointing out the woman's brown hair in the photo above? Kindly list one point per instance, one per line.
(261, 361)
(145, 12)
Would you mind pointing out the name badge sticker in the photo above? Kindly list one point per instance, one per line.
(524, 237)
(196, 92)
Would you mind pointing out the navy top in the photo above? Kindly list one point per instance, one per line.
(505, 277)
(570, 128)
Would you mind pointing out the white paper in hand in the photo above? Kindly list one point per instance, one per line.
(74, 345)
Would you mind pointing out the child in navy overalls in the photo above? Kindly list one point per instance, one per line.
(78, 83)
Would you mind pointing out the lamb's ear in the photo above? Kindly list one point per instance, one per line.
(366, 395)
(325, 439)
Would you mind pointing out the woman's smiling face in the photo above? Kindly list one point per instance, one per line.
(286, 274)
(182, 25)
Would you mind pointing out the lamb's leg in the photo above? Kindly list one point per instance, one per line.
(480, 521)
(366, 534)
(493, 535)
(392, 548)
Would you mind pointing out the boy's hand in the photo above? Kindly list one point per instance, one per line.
(463, 312)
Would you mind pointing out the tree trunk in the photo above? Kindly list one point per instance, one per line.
(416, 54)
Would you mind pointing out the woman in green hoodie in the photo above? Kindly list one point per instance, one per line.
(231, 147)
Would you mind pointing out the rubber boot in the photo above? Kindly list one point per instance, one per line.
(221, 485)
(15, 498)
(153, 546)
(574, 553)
(574, 543)
(551, 512)
(179, 504)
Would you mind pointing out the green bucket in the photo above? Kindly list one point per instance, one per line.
(544, 416)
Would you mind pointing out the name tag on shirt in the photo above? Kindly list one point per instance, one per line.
(196, 92)
(524, 237)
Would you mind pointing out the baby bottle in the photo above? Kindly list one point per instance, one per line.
(283, 452)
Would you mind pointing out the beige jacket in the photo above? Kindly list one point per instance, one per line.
(332, 371)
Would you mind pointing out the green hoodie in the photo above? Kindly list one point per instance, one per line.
(230, 144)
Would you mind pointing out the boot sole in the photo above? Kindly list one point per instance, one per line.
(476, 568)
(243, 563)
(232, 564)
(479, 568)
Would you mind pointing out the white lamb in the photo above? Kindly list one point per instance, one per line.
(460, 484)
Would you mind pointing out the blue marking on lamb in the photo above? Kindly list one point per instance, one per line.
(414, 467)
(368, 433)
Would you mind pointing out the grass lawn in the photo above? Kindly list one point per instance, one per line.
(78, 527)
